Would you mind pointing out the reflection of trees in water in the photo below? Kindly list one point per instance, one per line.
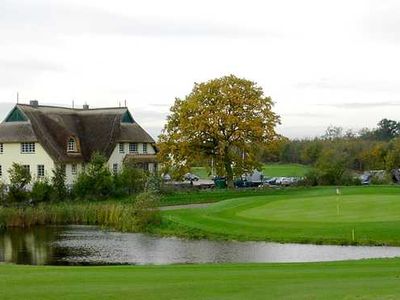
(27, 246)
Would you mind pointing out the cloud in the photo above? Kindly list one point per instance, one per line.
(348, 84)
(361, 105)
(76, 20)
(384, 22)
(305, 115)
(30, 65)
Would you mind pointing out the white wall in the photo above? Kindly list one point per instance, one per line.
(118, 158)
(70, 178)
(12, 153)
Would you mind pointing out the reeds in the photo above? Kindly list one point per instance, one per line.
(116, 216)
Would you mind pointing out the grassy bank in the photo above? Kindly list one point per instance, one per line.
(359, 215)
(370, 279)
(116, 216)
(216, 195)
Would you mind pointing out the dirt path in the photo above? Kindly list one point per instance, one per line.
(173, 207)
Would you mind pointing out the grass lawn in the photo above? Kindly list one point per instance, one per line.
(285, 170)
(315, 215)
(370, 279)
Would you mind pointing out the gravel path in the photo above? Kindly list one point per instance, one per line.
(173, 207)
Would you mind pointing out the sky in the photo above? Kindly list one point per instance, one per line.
(322, 62)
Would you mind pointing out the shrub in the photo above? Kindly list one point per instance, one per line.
(145, 210)
(42, 191)
(96, 181)
(58, 182)
(3, 194)
(133, 178)
(154, 184)
(20, 177)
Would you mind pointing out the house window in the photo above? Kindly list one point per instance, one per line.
(133, 148)
(1, 148)
(71, 145)
(73, 169)
(144, 148)
(121, 148)
(40, 171)
(27, 167)
(115, 169)
(27, 147)
(1, 171)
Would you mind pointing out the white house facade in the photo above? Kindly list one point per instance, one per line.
(41, 137)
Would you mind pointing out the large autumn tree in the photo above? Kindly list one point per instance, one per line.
(224, 119)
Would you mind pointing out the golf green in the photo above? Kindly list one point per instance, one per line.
(354, 208)
(358, 215)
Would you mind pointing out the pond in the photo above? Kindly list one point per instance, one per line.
(90, 245)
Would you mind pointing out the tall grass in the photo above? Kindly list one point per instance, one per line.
(116, 216)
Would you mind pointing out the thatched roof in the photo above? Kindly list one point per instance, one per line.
(95, 129)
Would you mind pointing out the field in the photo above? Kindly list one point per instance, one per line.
(285, 170)
(370, 279)
(269, 170)
(359, 215)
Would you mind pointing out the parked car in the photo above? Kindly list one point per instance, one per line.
(190, 177)
(366, 178)
(166, 177)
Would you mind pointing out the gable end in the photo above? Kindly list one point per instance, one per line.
(16, 115)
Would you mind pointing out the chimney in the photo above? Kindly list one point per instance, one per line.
(85, 106)
(34, 103)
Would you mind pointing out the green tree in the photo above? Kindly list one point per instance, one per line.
(96, 181)
(20, 177)
(221, 119)
(58, 182)
(132, 178)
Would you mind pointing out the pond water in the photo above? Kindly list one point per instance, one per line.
(89, 245)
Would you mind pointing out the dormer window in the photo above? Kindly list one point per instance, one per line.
(71, 145)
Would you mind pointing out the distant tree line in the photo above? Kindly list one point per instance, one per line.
(367, 149)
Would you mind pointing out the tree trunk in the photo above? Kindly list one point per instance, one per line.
(229, 173)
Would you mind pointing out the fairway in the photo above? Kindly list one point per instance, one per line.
(354, 208)
(359, 215)
(369, 279)
(285, 170)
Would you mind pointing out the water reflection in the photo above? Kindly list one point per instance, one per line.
(83, 245)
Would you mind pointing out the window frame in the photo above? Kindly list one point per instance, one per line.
(144, 148)
(74, 169)
(28, 167)
(72, 141)
(1, 148)
(115, 168)
(40, 171)
(28, 147)
(135, 150)
(121, 148)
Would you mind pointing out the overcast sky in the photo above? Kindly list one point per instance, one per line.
(322, 62)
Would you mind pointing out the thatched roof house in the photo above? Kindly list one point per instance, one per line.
(70, 135)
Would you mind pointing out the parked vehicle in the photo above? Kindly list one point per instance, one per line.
(190, 177)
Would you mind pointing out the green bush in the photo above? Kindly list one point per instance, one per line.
(42, 191)
(154, 184)
(133, 178)
(145, 210)
(3, 194)
(20, 177)
(96, 182)
(58, 183)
